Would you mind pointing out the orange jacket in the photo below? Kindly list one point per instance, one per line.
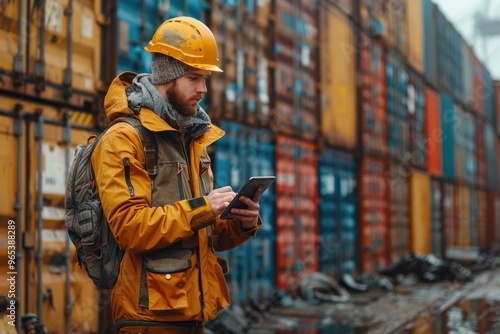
(196, 293)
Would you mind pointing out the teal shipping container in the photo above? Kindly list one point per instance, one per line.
(448, 116)
(337, 212)
(244, 152)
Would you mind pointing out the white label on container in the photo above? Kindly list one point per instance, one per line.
(54, 170)
(262, 87)
(52, 213)
(305, 55)
(87, 24)
(53, 16)
(327, 184)
(87, 83)
(53, 235)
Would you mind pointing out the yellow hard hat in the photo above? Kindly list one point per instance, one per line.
(187, 40)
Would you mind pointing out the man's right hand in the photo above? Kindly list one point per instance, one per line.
(220, 198)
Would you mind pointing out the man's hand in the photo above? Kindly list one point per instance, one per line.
(220, 198)
(249, 216)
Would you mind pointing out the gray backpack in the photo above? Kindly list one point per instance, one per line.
(88, 229)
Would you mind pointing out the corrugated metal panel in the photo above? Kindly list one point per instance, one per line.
(493, 221)
(373, 207)
(491, 150)
(416, 110)
(296, 69)
(49, 65)
(497, 104)
(448, 116)
(242, 91)
(488, 96)
(45, 152)
(449, 216)
(437, 218)
(434, 132)
(465, 146)
(449, 57)
(482, 167)
(468, 75)
(373, 98)
(462, 231)
(396, 32)
(421, 226)
(430, 41)
(398, 189)
(414, 17)
(244, 152)
(398, 135)
(338, 79)
(372, 17)
(477, 67)
(479, 225)
(337, 212)
(296, 215)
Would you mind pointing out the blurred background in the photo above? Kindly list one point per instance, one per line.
(380, 119)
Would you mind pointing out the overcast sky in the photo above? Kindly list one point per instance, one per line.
(462, 14)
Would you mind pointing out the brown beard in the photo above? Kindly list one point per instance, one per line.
(174, 98)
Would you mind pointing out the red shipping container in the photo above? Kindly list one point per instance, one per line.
(434, 132)
(297, 216)
(373, 213)
(493, 219)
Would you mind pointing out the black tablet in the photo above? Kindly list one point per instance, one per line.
(248, 190)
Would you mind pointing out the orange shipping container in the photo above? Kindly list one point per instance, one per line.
(480, 216)
(37, 148)
(414, 16)
(338, 79)
(493, 219)
(434, 132)
(462, 222)
(421, 220)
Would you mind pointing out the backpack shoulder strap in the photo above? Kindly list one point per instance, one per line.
(148, 144)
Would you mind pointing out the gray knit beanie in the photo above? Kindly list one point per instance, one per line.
(165, 69)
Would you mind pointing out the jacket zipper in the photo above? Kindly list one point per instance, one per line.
(130, 187)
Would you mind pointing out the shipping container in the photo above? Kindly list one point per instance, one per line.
(338, 211)
(449, 216)
(244, 152)
(482, 172)
(38, 145)
(398, 131)
(448, 120)
(372, 16)
(468, 75)
(488, 96)
(496, 85)
(296, 210)
(465, 146)
(478, 71)
(493, 218)
(430, 13)
(434, 132)
(295, 69)
(463, 229)
(338, 79)
(416, 47)
(398, 190)
(416, 111)
(421, 213)
(491, 153)
(396, 32)
(242, 91)
(478, 225)
(373, 107)
(373, 215)
(60, 62)
(437, 218)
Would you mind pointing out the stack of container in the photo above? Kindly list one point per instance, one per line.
(379, 121)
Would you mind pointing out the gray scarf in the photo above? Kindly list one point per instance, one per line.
(142, 93)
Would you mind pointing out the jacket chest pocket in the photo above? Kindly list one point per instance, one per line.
(172, 183)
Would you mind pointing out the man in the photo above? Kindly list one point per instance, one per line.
(166, 219)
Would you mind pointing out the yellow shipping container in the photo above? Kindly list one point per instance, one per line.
(338, 79)
(52, 53)
(414, 15)
(421, 217)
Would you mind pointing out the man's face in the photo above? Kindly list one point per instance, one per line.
(187, 91)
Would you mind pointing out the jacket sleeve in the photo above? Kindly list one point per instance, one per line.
(231, 234)
(125, 192)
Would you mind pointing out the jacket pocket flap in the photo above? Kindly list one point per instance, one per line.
(168, 261)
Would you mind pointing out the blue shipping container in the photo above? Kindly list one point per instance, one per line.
(448, 116)
(244, 152)
(337, 212)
